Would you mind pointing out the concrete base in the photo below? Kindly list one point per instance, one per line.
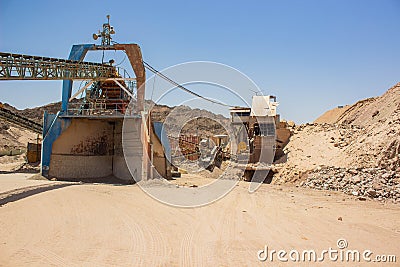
(78, 167)
(92, 148)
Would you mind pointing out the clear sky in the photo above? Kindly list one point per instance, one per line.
(313, 55)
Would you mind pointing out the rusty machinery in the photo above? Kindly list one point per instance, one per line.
(84, 139)
(261, 136)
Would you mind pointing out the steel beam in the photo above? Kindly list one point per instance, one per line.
(24, 67)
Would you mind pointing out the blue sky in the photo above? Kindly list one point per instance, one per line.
(314, 55)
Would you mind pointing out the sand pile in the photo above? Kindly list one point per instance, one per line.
(362, 136)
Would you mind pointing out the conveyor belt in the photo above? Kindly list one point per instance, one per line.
(20, 120)
(26, 67)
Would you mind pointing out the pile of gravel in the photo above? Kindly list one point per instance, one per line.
(374, 183)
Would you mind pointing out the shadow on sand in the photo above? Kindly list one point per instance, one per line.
(20, 193)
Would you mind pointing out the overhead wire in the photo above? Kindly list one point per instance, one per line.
(120, 62)
(156, 72)
(150, 68)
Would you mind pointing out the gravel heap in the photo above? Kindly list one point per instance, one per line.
(355, 150)
(374, 183)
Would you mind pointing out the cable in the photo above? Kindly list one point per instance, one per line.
(121, 61)
(150, 68)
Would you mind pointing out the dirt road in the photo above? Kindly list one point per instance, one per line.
(107, 225)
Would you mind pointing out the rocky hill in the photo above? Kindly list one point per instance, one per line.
(355, 149)
(16, 137)
(379, 122)
(194, 121)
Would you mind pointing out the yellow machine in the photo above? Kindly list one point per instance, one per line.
(260, 134)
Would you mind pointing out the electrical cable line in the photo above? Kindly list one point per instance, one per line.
(150, 68)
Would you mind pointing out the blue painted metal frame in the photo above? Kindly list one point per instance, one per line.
(78, 52)
(53, 124)
(162, 136)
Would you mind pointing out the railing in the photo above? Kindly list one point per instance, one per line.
(101, 108)
(113, 100)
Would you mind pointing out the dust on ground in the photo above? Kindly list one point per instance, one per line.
(87, 224)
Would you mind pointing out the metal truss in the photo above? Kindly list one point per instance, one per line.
(24, 67)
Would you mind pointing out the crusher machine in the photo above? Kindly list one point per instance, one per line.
(84, 140)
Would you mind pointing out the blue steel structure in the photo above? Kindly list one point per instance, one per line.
(159, 129)
(78, 53)
(93, 144)
(55, 125)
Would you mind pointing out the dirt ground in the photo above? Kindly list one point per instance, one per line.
(110, 225)
(55, 223)
(9, 163)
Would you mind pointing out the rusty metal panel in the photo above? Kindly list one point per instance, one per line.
(33, 152)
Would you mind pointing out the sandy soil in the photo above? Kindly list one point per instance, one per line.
(201, 178)
(9, 163)
(192, 180)
(18, 180)
(70, 224)
(363, 135)
(333, 115)
(107, 225)
(15, 136)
